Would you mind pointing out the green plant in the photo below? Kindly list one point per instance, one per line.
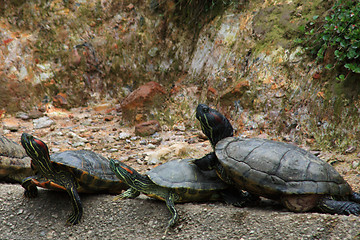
(336, 40)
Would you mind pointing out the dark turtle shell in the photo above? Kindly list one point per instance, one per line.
(90, 169)
(184, 174)
(271, 169)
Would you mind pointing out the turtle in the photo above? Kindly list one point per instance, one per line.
(14, 163)
(274, 170)
(176, 181)
(70, 171)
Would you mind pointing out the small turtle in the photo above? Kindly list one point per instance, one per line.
(71, 171)
(274, 170)
(15, 165)
(176, 181)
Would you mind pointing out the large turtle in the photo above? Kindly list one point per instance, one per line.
(176, 181)
(15, 165)
(71, 171)
(274, 170)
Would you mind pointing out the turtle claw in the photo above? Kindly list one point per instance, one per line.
(32, 193)
(117, 198)
(73, 219)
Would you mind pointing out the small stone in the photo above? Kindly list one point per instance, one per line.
(179, 127)
(22, 115)
(147, 128)
(355, 164)
(151, 146)
(76, 137)
(124, 135)
(42, 122)
(134, 138)
(350, 149)
(143, 142)
(156, 141)
(11, 124)
(113, 150)
(78, 144)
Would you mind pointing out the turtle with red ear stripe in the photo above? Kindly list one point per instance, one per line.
(274, 170)
(70, 171)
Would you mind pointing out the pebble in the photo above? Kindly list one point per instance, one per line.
(179, 127)
(11, 124)
(151, 146)
(134, 138)
(124, 135)
(113, 150)
(78, 144)
(76, 137)
(156, 140)
(43, 122)
(22, 115)
(350, 149)
(143, 142)
(355, 164)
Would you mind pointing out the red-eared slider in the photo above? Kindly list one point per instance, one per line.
(15, 165)
(71, 171)
(274, 170)
(176, 181)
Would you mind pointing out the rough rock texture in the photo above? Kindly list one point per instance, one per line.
(147, 128)
(149, 95)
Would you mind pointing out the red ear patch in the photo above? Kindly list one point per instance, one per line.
(217, 118)
(41, 143)
(127, 169)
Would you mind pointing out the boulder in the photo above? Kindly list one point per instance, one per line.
(147, 96)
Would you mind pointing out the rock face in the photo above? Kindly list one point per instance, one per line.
(149, 95)
(242, 59)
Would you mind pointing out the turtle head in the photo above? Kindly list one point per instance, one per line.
(37, 151)
(127, 174)
(213, 124)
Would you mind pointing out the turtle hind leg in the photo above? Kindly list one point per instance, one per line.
(339, 207)
(238, 198)
(355, 197)
(77, 212)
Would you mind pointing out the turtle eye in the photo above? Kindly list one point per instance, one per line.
(205, 109)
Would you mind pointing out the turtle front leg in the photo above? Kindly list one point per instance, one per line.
(31, 190)
(77, 212)
(170, 203)
(339, 207)
(130, 193)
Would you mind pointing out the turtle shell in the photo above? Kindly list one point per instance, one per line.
(183, 173)
(90, 169)
(271, 169)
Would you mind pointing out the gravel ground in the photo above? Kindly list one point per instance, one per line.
(144, 218)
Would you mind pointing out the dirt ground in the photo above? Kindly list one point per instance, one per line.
(144, 218)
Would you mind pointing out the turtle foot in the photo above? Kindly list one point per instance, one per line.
(340, 207)
(31, 193)
(73, 219)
